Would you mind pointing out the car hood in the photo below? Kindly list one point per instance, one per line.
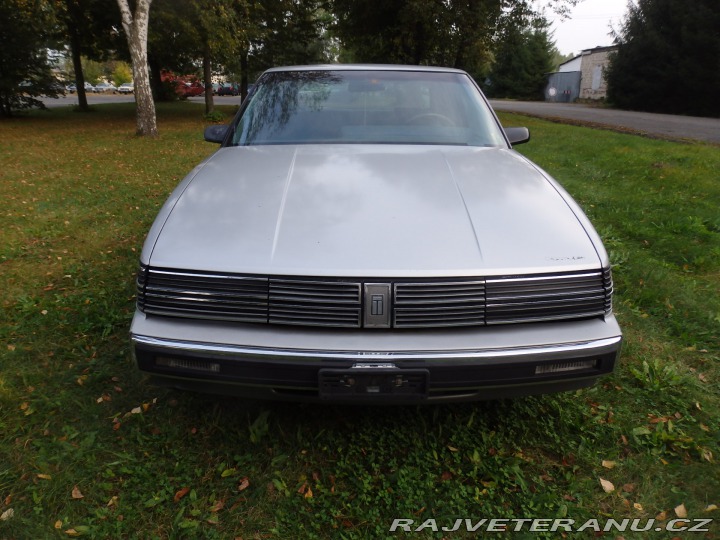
(371, 210)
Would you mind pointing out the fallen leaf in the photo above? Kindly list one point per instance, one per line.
(607, 486)
(11, 347)
(244, 484)
(58, 524)
(113, 501)
(710, 508)
(302, 488)
(680, 511)
(7, 514)
(72, 532)
(452, 448)
(446, 476)
(707, 455)
(608, 464)
(628, 488)
(76, 493)
(136, 410)
(308, 493)
(181, 493)
(219, 505)
(638, 506)
(662, 516)
(44, 476)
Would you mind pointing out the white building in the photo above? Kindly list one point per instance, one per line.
(581, 77)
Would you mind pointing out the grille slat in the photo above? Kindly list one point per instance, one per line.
(535, 298)
(339, 302)
(439, 304)
(315, 303)
(204, 296)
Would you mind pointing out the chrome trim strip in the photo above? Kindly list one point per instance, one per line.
(366, 356)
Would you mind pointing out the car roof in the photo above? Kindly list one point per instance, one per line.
(365, 67)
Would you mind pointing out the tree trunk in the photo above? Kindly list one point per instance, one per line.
(207, 75)
(244, 79)
(79, 75)
(136, 29)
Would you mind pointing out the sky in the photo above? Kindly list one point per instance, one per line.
(588, 25)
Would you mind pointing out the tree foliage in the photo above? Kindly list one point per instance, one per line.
(524, 56)
(89, 28)
(25, 67)
(455, 33)
(668, 58)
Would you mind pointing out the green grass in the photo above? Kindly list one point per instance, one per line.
(80, 192)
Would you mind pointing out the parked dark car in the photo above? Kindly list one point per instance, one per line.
(228, 89)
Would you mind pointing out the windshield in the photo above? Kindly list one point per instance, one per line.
(379, 107)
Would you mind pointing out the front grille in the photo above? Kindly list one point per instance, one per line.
(339, 302)
(543, 298)
(315, 303)
(203, 295)
(458, 303)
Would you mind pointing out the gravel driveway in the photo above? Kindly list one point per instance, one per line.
(665, 126)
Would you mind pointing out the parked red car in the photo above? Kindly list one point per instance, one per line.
(190, 89)
(185, 86)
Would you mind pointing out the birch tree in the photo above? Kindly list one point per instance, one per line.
(136, 29)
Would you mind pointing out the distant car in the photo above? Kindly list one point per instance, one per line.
(89, 87)
(71, 88)
(215, 87)
(190, 89)
(369, 234)
(105, 87)
(228, 89)
(126, 88)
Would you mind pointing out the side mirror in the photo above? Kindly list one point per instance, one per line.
(216, 133)
(517, 135)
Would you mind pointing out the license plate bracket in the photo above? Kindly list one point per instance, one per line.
(373, 383)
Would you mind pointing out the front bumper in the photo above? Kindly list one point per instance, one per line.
(375, 366)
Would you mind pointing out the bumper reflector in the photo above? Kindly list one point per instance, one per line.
(545, 369)
(194, 365)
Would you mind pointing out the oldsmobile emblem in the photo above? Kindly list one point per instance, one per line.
(377, 306)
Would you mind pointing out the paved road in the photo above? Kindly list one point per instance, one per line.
(97, 99)
(660, 125)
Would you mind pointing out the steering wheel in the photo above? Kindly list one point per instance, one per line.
(441, 119)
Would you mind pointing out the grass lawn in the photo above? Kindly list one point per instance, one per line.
(88, 448)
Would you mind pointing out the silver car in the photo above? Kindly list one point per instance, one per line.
(368, 234)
